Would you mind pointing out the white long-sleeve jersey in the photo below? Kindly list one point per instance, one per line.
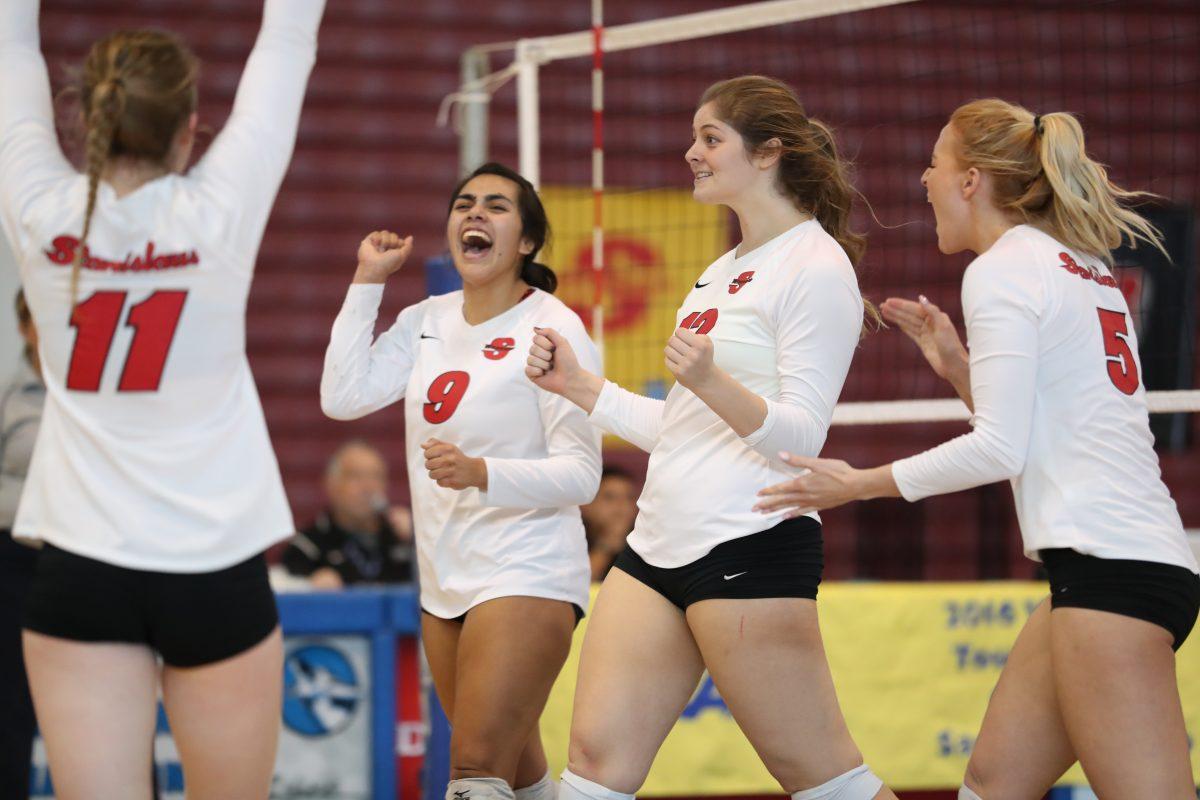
(1060, 408)
(785, 320)
(465, 385)
(153, 451)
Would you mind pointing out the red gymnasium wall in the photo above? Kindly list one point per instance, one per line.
(370, 155)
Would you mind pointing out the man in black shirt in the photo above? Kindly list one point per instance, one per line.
(358, 538)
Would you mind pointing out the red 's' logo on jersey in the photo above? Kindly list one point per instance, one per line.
(1087, 273)
(62, 251)
(737, 283)
(498, 348)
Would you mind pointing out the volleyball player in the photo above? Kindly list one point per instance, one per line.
(153, 485)
(497, 470)
(763, 344)
(1054, 382)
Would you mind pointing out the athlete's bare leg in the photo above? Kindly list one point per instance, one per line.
(96, 706)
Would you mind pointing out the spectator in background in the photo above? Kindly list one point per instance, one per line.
(358, 538)
(608, 519)
(20, 413)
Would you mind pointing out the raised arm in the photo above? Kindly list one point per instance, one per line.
(361, 376)
(30, 156)
(248, 159)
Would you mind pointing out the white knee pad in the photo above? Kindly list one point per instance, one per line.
(479, 789)
(573, 787)
(964, 793)
(542, 790)
(857, 784)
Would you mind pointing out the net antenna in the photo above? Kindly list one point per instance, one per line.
(529, 55)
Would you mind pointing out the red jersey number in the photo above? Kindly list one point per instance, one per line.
(153, 320)
(1122, 368)
(444, 395)
(700, 321)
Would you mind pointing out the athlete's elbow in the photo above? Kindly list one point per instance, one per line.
(584, 483)
(590, 483)
(338, 408)
(1007, 462)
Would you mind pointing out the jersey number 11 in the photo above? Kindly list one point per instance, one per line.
(153, 321)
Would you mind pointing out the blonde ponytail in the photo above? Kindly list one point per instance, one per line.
(1043, 176)
(1086, 212)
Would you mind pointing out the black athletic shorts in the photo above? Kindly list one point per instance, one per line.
(1165, 594)
(784, 561)
(190, 619)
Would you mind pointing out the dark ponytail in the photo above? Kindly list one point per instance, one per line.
(534, 225)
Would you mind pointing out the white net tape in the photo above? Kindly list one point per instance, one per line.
(896, 411)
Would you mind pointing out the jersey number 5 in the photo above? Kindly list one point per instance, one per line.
(153, 320)
(444, 395)
(1122, 368)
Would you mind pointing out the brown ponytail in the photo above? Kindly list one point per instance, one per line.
(811, 171)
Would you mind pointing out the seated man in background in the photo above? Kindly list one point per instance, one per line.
(608, 519)
(358, 538)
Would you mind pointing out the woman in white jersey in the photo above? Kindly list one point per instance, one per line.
(1053, 380)
(153, 485)
(763, 344)
(497, 470)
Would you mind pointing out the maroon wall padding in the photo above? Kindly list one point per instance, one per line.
(370, 155)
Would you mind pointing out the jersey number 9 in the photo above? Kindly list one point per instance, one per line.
(444, 395)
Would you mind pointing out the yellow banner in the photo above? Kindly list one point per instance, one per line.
(656, 243)
(914, 666)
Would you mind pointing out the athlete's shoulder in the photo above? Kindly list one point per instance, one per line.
(1016, 255)
(551, 312)
(554, 311)
(437, 305)
(415, 317)
(1012, 268)
(812, 245)
(55, 211)
(814, 259)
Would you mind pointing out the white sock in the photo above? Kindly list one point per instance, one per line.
(573, 787)
(857, 784)
(542, 790)
(964, 793)
(479, 789)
